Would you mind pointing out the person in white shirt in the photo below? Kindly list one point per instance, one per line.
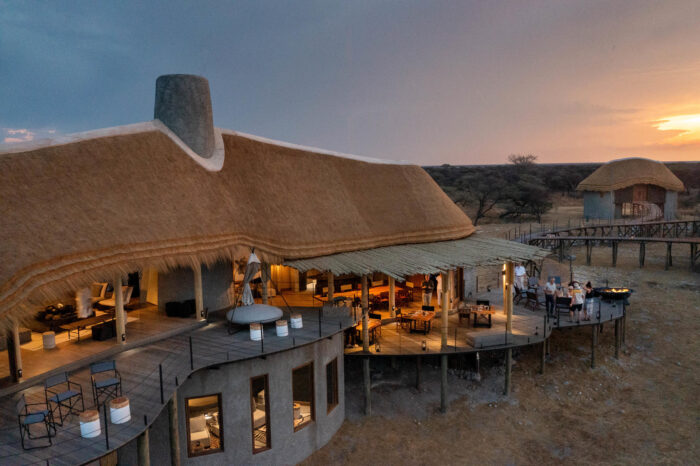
(550, 290)
(577, 299)
(438, 288)
(520, 276)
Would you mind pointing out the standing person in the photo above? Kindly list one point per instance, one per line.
(427, 290)
(588, 304)
(577, 298)
(550, 290)
(520, 276)
(438, 289)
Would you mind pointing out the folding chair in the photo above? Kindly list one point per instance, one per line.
(108, 381)
(27, 419)
(63, 394)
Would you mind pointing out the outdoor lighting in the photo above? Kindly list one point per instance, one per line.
(571, 258)
(377, 348)
(423, 345)
(123, 336)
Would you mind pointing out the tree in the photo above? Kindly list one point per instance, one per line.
(481, 188)
(520, 159)
(526, 196)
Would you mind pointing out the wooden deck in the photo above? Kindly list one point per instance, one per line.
(144, 325)
(528, 327)
(139, 368)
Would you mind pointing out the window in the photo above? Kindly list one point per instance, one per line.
(260, 413)
(331, 385)
(303, 395)
(205, 429)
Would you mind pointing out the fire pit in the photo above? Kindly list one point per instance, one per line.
(614, 294)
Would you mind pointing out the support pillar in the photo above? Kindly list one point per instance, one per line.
(144, 450)
(443, 383)
(614, 253)
(119, 314)
(365, 316)
(444, 317)
(417, 372)
(543, 356)
(368, 386)
(669, 256)
(594, 343)
(14, 354)
(618, 336)
(174, 431)
(589, 251)
(392, 296)
(264, 279)
(508, 297)
(509, 366)
(198, 294)
(331, 286)
(642, 253)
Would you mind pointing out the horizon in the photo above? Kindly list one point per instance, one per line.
(465, 84)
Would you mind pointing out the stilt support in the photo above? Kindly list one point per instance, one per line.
(443, 383)
(642, 253)
(614, 253)
(594, 343)
(589, 251)
(368, 386)
(543, 356)
(174, 432)
(669, 256)
(509, 365)
(144, 450)
(417, 372)
(618, 337)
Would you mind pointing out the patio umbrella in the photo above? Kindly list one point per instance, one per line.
(251, 269)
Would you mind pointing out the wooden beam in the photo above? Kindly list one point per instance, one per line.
(392, 296)
(198, 293)
(144, 450)
(331, 286)
(119, 313)
(174, 431)
(508, 296)
(444, 317)
(365, 314)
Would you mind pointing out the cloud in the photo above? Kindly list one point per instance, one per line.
(16, 135)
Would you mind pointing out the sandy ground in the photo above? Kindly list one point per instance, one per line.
(641, 409)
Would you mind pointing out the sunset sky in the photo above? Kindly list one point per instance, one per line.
(426, 81)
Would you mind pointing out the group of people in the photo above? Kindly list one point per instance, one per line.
(580, 303)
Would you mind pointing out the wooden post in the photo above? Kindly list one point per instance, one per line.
(198, 293)
(561, 250)
(264, 278)
(669, 257)
(331, 287)
(693, 254)
(594, 343)
(443, 383)
(614, 253)
(119, 314)
(144, 451)
(368, 386)
(174, 431)
(444, 316)
(618, 336)
(392, 296)
(14, 353)
(509, 365)
(417, 372)
(508, 296)
(642, 253)
(589, 251)
(365, 315)
(543, 356)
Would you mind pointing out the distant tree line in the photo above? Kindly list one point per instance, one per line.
(523, 188)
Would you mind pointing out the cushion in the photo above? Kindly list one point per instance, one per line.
(106, 382)
(258, 418)
(245, 315)
(63, 396)
(33, 418)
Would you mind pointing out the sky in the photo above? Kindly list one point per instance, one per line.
(429, 82)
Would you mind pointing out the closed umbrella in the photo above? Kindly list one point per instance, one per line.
(252, 268)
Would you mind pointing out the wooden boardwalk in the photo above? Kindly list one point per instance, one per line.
(140, 369)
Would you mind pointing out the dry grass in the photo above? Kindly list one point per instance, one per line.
(619, 174)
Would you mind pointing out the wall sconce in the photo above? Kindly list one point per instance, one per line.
(377, 348)
(19, 373)
(123, 336)
(423, 345)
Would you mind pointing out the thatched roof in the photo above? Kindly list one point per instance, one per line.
(619, 174)
(119, 200)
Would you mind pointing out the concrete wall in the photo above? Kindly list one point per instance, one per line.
(598, 205)
(470, 275)
(232, 380)
(178, 285)
(670, 205)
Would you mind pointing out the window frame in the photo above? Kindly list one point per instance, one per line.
(313, 396)
(336, 399)
(190, 453)
(268, 431)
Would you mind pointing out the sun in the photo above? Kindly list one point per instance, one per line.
(686, 126)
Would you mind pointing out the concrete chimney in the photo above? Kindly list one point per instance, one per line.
(183, 104)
